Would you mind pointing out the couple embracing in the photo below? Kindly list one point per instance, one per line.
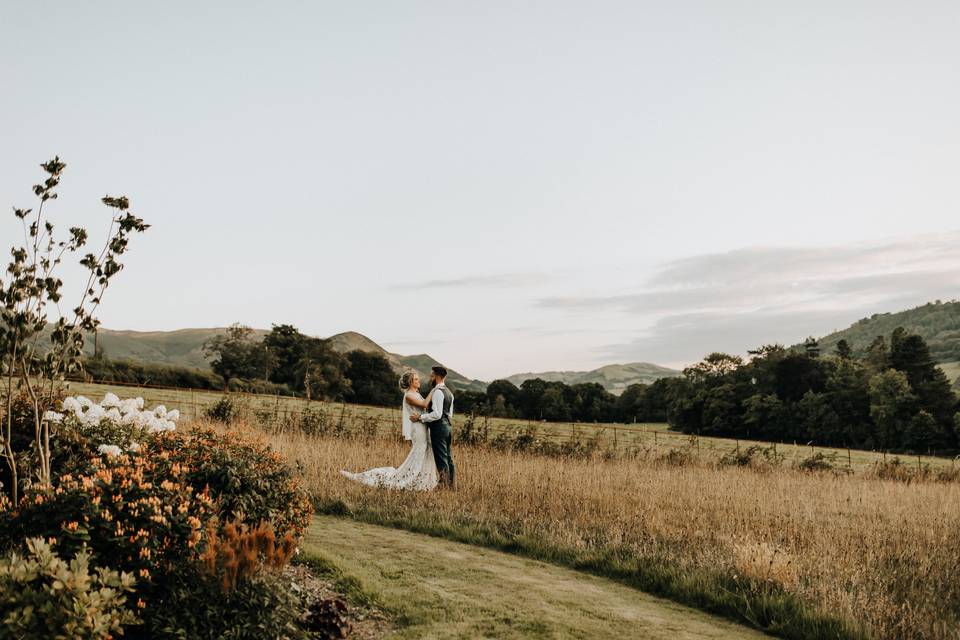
(427, 425)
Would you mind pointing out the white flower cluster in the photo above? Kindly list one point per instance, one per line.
(122, 412)
(125, 412)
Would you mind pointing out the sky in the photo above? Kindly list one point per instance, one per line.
(508, 186)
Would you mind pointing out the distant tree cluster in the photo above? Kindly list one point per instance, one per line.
(893, 396)
(538, 399)
(302, 365)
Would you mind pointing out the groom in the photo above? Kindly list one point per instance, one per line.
(437, 422)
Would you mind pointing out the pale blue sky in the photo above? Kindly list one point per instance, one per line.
(508, 186)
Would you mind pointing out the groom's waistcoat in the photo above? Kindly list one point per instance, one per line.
(447, 404)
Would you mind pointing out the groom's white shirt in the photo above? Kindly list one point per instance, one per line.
(436, 407)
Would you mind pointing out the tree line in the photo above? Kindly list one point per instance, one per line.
(298, 364)
(890, 396)
(893, 397)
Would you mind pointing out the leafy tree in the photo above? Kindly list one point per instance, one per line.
(288, 347)
(530, 400)
(815, 420)
(236, 354)
(721, 412)
(510, 395)
(844, 352)
(847, 386)
(713, 367)
(632, 403)
(796, 375)
(322, 371)
(554, 406)
(891, 405)
(878, 356)
(924, 433)
(28, 288)
(372, 379)
(765, 417)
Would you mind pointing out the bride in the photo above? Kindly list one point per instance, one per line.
(419, 470)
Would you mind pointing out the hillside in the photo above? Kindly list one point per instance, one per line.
(937, 322)
(351, 340)
(184, 348)
(614, 377)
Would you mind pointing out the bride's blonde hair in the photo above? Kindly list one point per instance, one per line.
(407, 379)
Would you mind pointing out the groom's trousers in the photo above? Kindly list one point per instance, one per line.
(440, 440)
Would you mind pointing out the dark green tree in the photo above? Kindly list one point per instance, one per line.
(878, 355)
(924, 434)
(372, 379)
(237, 354)
(510, 394)
(844, 352)
(892, 404)
(288, 347)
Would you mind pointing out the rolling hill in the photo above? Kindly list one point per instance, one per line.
(936, 322)
(351, 340)
(614, 377)
(184, 348)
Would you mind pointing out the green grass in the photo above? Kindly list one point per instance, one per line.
(440, 589)
(762, 607)
(652, 437)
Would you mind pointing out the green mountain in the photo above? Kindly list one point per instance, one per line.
(184, 348)
(351, 340)
(614, 377)
(936, 322)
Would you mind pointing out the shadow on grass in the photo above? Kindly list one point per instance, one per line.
(762, 606)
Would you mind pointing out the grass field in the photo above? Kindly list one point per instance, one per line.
(800, 555)
(441, 589)
(952, 369)
(646, 440)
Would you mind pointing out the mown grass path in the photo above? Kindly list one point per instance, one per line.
(443, 589)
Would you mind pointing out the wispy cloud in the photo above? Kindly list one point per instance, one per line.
(493, 281)
(739, 299)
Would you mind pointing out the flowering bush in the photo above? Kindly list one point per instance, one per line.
(152, 502)
(235, 590)
(250, 483)
(133, 515)
(43, 596)
(112, 427)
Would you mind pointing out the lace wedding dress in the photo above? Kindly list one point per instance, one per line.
(418, 472)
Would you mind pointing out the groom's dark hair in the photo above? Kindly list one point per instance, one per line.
(439, 371)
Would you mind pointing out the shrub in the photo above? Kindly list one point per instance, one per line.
(134, 514)
(114, 425)
(43, 596)
(226, 410)
(250, 483)
(262, 607)
(755, 457)
(233, 591)
(900, 471)
(820, 462)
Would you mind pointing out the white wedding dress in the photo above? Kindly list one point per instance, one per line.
(418, 472)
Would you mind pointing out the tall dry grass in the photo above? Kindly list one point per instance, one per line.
(880, 553)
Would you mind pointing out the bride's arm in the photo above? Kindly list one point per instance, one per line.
(414, 399)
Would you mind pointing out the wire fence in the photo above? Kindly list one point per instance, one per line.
(282, 413)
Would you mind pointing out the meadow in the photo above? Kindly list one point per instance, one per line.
(798, 554)
(649, 440)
